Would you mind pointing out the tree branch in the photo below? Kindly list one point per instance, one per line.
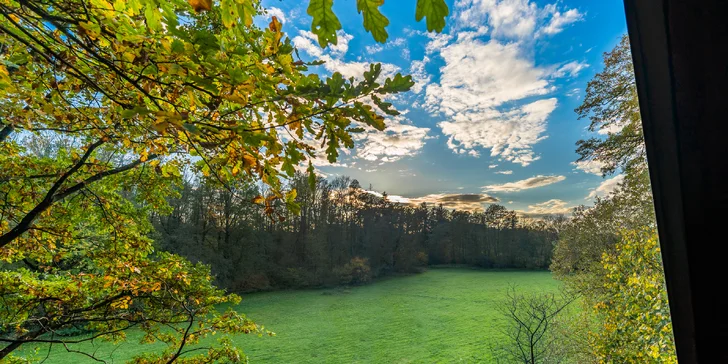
(49, 198)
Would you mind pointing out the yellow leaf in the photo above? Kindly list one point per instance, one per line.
(200, 5)
(160, 126)
(275, 25)
(248, 160)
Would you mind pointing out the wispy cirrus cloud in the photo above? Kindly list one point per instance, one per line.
(528, 183)
(570, 69)
(558, 20)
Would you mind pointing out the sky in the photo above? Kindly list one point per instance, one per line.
(491, 117)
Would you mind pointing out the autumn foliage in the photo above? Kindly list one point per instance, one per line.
(106, 104)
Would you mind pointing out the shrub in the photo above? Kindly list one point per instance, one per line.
(357, 271)
(636, 316)
(251, 283)
(422, 259)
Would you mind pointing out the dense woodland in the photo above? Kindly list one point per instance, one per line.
(339, 221)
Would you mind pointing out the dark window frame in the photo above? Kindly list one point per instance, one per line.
(680, 52)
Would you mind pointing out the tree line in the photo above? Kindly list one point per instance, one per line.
(340, 226)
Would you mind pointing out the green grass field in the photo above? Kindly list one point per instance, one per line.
(441, 316)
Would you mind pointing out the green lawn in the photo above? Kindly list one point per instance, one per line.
(441, 316)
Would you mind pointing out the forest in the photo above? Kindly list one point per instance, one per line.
(341, 229)
(156, 161)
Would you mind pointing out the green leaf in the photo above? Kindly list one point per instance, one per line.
(435, 10)
(247, 12)
(336, 83)
(374, 21)
(191, 128)
(375, 69)
(287, 167)
(228, 12)
(153, 17)
(177, 46)
(370, 117)
(384, 106)
(325, 23)
(311, 175)
(398, 84)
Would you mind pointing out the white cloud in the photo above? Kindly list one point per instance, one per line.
(510, 135)
(606, 187)
(550, 207)
(589, 166)
(305, 42)
(560, 20)
(419, 74)
(504, 172)
(278, 13)
(356, 69)
(332, 56)
(342, 45)
(471, 100)
(493, 166)
(437, 42)
(503, 74)
(397, 42)
(406, 54)
(572, 69)
(373, 49)
(470, 34)
(463, 202)
(394, 43)
(612, 128)
(533, 182)
(576, 92)
(399, 140)
(456, 201)
(506, 18)
(513, 19)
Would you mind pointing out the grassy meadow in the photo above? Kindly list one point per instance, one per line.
(441, 316)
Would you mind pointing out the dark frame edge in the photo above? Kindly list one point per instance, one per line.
(650, 42)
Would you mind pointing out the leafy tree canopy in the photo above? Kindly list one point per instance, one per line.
(612, 107)
(128, 96)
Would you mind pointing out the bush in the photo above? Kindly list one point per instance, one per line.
(634, 307)
(422, 259)
(292, 277)
(251, 283)
(357, 271)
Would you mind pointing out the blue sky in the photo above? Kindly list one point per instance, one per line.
(491, 117)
